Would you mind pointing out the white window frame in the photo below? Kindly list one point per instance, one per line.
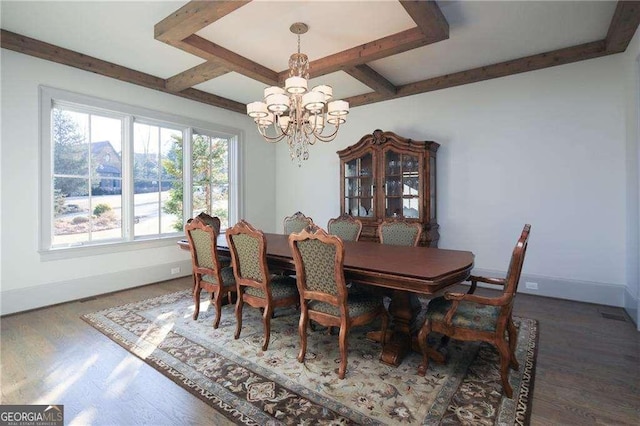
(130, 114)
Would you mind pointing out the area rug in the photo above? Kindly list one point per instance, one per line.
(255, 387)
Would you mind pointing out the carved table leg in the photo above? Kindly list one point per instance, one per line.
(404, 309)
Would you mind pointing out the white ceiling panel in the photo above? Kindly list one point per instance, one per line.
(260, 30)
(485, 33)
(116, 31)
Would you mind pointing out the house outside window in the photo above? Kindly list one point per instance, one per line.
(113, 174)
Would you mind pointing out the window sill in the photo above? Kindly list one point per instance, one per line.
(107, 248)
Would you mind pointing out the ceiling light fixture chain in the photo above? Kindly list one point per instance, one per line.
(295, 113)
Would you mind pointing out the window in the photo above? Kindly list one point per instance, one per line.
(113, 174)
(87, 177)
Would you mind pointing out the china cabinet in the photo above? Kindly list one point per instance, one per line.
(385, 175)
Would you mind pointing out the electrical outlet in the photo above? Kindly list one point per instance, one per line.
(175, 270)
(531, 286)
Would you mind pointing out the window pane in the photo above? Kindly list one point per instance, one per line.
(220, 180)
(200, 171)
(71, 211)
(106, 218)
(210, 186)
(145, 152)
(70, 148)
(87, 200)
(146, 209)
(106, 156)
(171, 181)
(157, 180)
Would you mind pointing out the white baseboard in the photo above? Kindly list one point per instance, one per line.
(631, 306)
(562, 288)
(18, 300)
(22, 299)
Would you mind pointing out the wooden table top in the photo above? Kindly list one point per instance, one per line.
(421, 270)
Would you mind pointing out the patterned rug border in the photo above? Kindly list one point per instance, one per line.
(169, 372)
(523, 399)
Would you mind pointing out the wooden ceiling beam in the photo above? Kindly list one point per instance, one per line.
(60, 55)
(49, 52)
(196, 75)
(228, 59)
(192, 17)
(502, 69)
(428, 17)
(211, 99)
(377, 49)
(623, 26)
(367, 75)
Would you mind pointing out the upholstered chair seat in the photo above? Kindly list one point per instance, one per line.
(358, 303)
(282, 287)
(474, 316)
(228, 280)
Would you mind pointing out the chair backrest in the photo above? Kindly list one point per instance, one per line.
(346, 227)
(248, 248)
(399, 232)
(319, 259)
(213, 221)
(296, 223)
(517, 260)
(202, 243)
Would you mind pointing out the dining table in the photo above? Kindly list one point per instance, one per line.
(402, 272)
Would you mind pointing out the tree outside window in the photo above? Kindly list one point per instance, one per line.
(210, 178)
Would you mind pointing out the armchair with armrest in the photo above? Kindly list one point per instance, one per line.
(472, 317)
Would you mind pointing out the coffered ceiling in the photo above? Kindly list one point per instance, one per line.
(224, 53)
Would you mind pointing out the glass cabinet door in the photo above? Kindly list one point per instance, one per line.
(401, 185)
(359, 187)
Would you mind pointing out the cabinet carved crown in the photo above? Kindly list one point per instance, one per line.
(385, 176)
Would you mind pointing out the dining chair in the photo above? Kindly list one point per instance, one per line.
(213, 221)
(296, 223)
(346, 227)
(256, 286)
(488, 319)
(209, 273)
(324, 297)
(399, 232)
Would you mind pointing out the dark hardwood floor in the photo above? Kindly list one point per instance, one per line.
(588, 369)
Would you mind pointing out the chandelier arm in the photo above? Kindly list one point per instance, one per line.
(268, 138)
(329, 137)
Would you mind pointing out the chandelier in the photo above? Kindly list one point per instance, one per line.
(295, 113)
